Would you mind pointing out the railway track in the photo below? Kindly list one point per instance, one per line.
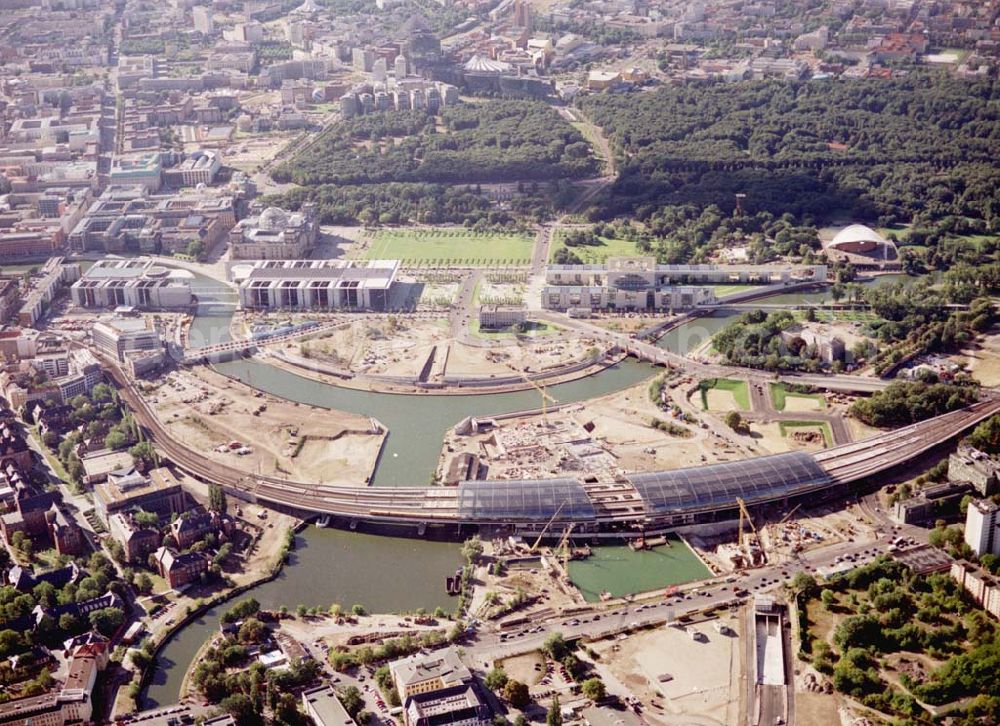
(429, 505)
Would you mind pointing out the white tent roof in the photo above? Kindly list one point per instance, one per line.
(857, 233)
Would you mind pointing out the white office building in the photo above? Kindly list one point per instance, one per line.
(622, 283)
(316, 284)
(135, 283)
(119, 336)
(639, 283)
(982, 527)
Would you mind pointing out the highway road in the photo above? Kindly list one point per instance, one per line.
(716, 593)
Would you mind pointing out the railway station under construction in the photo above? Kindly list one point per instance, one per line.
(631, 505)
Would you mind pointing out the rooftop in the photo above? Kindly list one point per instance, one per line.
(755, 480)
(443, 664)
(123, 488)
(324, 707)
(564, 499)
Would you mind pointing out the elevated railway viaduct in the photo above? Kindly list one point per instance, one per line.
(653, 500)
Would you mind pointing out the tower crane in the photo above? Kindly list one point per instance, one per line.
(546, 396)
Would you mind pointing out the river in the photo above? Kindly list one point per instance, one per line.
(382, 573)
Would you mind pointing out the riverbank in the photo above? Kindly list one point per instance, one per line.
(215, 416)
(266, 565)
(326, 566)
(470, 386)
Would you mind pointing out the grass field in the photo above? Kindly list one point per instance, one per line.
(595, 255)
(722, 291)
(786, 428)
(779, 393)
(452, 246)
(739, 389)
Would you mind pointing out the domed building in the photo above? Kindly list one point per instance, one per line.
(274, 234)
(863, 247)
(857, 238)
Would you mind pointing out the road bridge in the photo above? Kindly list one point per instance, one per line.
(648, 352)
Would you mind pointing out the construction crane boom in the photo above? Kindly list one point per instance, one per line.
(563, 548)
(788, 516)
(546, 396)
(546, 527)
(745, 515)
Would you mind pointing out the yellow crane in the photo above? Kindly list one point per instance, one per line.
(745, 515)
(562, 550)
(546, 396)
(546, 527)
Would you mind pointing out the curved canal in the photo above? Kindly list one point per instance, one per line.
(382, 573)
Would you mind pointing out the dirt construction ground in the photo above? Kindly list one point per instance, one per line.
(210, 412)
(695, 678)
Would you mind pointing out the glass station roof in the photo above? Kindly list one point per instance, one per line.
(538, 499)
(708, 487)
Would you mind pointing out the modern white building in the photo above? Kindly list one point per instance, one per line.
(119, 336)
(84, 373)
(134, 282)
(646, 270)
(638, 283)
(199, 168)
(857, 238)
(982, 527)
(622, 283)
(316, 284)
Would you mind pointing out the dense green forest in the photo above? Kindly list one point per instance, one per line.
(904, 403)
(492, 141)
(395, 203)
(916, 319)
(918, 149)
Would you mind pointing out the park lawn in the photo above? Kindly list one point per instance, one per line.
(739, 389)
(902, 232)
(779, 393)
(595, 255)
(450, 246)
(786, 426)
(979, 239)
(722, 291)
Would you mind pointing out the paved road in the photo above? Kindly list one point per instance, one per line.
(693, 599)
(651, 352)
(762, 408)
(461, 309)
